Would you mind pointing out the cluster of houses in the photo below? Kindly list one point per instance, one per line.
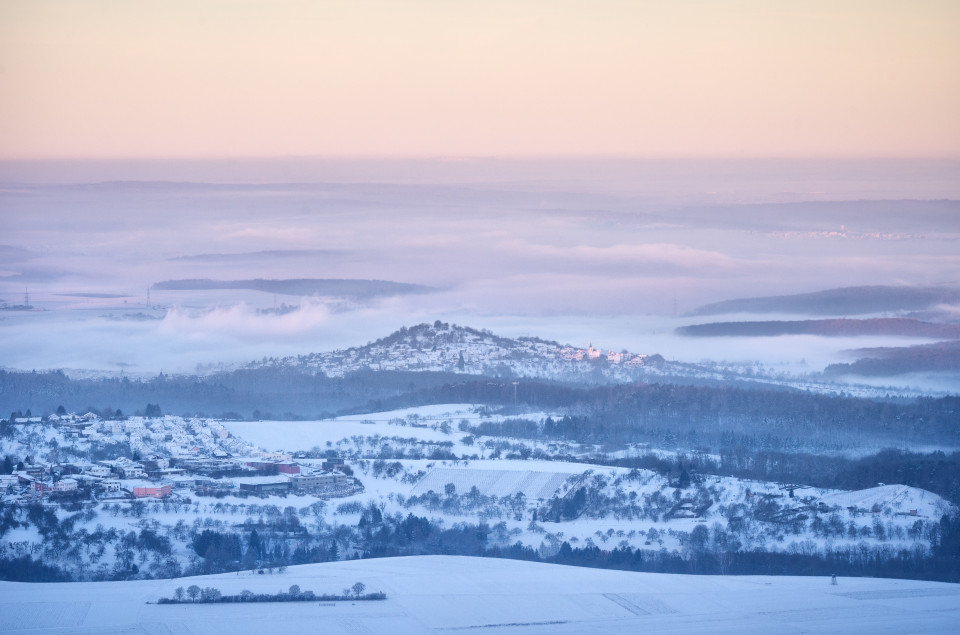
(199, 456)
(171, 435)
(590, 354)
(159, 477)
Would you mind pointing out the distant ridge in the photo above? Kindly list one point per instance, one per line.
(842, 301)
(357, 289)
(842, 327)
(886, 362)
(250, 255)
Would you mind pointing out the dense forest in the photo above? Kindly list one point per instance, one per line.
(268, 393)
(677, 416)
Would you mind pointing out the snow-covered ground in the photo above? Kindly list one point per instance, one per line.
(365, 434)
(642, 512)
(405, 422)
(899, 497)
(639, 509)
(431, 594)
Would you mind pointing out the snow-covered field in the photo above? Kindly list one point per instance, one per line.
(428, 426)
(431, 594)
(406, 422)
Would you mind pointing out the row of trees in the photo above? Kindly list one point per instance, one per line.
(207, 595)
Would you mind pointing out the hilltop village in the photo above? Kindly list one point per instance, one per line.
(445, 347)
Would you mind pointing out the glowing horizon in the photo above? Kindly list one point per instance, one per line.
(213, 79)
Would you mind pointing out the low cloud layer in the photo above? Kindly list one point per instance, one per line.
(242, 321)
(588, 259)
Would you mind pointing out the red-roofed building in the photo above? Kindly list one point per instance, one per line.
(274, 467)
(152, 492)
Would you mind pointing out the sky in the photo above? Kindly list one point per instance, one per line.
(424, 78)
(583, 171)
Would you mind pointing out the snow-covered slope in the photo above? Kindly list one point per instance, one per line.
(901, 498)
(411, 461)
(431, 594)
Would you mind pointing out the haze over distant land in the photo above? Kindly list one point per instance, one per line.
(581, 251)
(353, 289)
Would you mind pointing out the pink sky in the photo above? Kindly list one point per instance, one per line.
(218, 78)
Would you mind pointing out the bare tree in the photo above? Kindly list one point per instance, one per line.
(358, 588)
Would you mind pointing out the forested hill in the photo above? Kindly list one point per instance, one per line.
(888, 361)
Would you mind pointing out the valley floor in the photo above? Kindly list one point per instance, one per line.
(441, 594)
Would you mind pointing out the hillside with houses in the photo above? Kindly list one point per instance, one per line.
(84, 459)
(141, 497)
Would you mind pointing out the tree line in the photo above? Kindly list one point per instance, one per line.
(212, 595)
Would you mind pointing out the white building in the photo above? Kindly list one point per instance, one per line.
(317, 481)
(65, 485)
(110, 486)
(100, 471)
